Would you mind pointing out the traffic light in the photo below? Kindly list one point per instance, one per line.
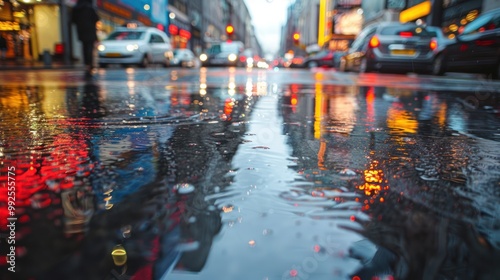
(229, 30)
(296, 38)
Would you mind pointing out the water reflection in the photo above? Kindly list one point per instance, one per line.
(117, 181)
(412, 171)
(97, 167)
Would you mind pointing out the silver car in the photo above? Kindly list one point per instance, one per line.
(393, 47)
(141, 46)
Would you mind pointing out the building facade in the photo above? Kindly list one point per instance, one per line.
(34, 27)
(195, 14)
(30, 28)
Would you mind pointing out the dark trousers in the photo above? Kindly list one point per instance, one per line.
(88, 53)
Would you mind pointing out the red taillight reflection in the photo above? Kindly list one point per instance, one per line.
(433, 44)
(374, 42)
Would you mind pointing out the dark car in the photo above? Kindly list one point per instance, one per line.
(476, 50)
(393, 47)
(324, 58)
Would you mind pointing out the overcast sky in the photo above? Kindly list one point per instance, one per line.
(268, 16)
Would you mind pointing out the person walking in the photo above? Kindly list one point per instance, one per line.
(3, 46)
(85, 17)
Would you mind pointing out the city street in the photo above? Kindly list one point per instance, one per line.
(234, 173)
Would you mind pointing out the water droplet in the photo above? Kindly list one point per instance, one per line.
(267, 232)
(317, 193)
(347, 172)
(119, 255)
(126, 231)
(184, 188)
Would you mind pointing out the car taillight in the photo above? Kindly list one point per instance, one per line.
(406, 34)
(433, 44)
(374, 42)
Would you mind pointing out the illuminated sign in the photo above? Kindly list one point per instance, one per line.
(117, 10)
(9, 26)
(415, 12)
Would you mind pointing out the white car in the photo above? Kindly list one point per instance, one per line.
(184, 58)
(142, 46)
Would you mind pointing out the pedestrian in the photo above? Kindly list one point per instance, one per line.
(85, 17)
(3, 46)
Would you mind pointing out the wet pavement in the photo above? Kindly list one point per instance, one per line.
(248, 174)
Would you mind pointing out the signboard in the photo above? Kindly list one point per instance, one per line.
(9, 26)
(158, 13)
(415, 12)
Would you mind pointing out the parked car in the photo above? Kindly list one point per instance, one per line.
(224, 54)
(323, 58)
(392, 46)
(475, 50)
(142, 46)
(296, 62)
(184, 58)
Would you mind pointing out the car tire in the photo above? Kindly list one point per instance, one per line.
(167, 63)
(145, 62)
(312, 64)
(363, 66)
(438, 66)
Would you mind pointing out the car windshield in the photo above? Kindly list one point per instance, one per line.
(126, 35)
(224, 48)
(232, 48)
(476, 25)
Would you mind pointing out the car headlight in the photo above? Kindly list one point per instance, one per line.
(232, 57)
(101, 48)
(169, 55)
(132, 48)
(203, 57)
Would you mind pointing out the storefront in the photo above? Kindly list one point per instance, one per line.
(347, 24)
(26, 28)
(179, 28)
(115, 13)
(451, 15)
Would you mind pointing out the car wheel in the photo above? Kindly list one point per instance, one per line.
(437, 66)
(145, 62)
(363, 66)
(167, 63)
(312, 64)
